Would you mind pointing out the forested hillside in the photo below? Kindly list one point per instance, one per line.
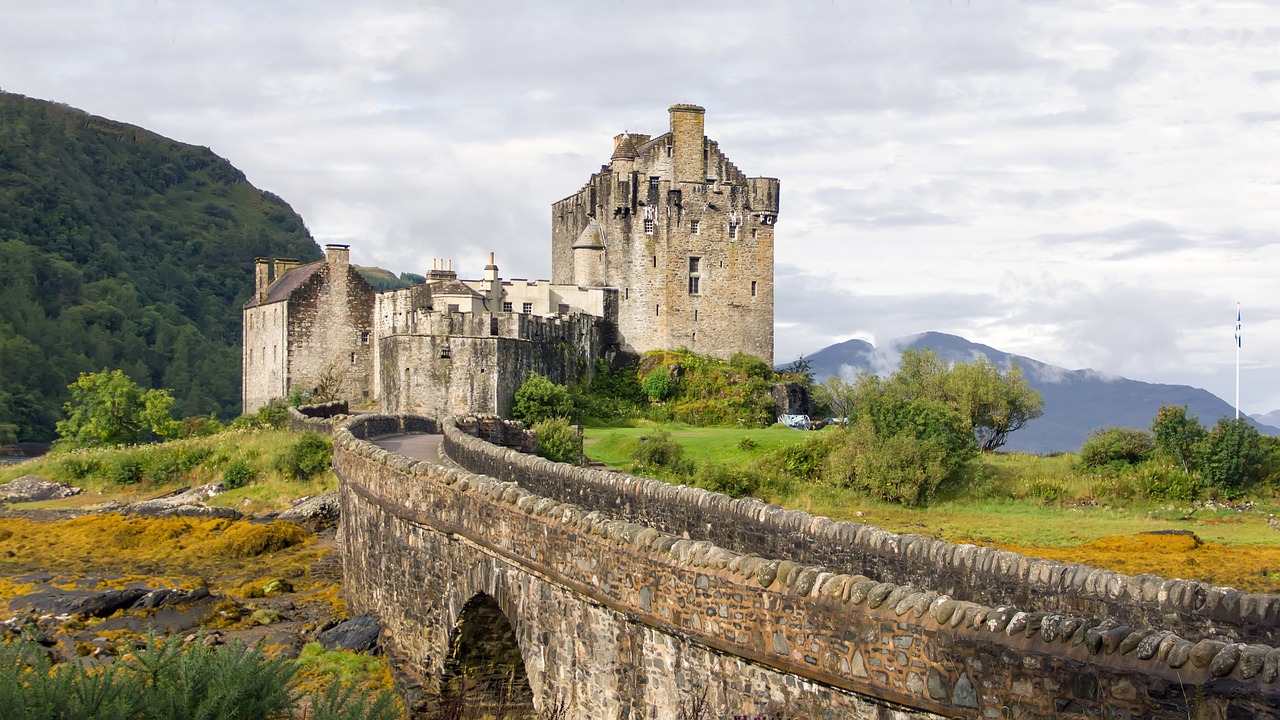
(123, 249)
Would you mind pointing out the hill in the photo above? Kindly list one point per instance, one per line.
(1075, 401)
(120, 248)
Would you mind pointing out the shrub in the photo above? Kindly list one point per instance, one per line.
(747, 443)
(164, 465)
(733, 482)
(1159, 481)
(751, 365)
(558, 441)
(539, 398)
(803, 460)
(80, 465)
(1127, 446)
(200, 426)
(126, 468)
(272, 416)
(901, 467)
(1234, 455)
(658, 385)
(238, 473)
(307, 457)
(660, 452)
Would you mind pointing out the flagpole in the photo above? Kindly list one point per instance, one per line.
(1238, 328)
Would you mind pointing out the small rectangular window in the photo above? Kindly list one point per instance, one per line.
(526, 308)
(733, 231)
(693, 284)
(653, 183)
(364, 337)
(353, 358)
(506, 307)
(695, 315)
(656, 309)
(753, 288)
(753, 233)
(655, 261)
(649, 226)
(695, 264)
(695, 277)
(694, 227)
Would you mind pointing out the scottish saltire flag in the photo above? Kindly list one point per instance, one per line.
(1238, 327)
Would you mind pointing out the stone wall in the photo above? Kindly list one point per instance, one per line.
(317, 418)
(264, 348)
(626, 620)
(330, 331)
(985, 575)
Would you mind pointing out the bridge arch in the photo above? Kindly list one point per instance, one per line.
(484, 668)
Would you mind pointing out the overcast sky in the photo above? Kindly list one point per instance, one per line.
(1089, 184)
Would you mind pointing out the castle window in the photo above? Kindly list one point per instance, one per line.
(353, 358)
(753, 233)
(655, 261)
(695, 275)
(753, 288)
(364, 337)
(653, 183)
(250, 356)
(656, 310)
(506, 307)
(669, 150)
(453, 307)
(526, 308)
(694, 228)
(695, 315)
(733, 231)
(649, 226)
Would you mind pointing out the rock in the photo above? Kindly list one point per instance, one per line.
(103, 604)
(189, 503)
(1225, 661)
(359, 634)
(30, 488)
(275, 587)
(1204, 652)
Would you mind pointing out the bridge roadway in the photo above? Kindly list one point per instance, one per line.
(418, 447)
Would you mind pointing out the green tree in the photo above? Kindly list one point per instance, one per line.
(835, 397)
(108, 408)
(1116, 445)
(539, 398)
(1233, 454)
(1178, 434)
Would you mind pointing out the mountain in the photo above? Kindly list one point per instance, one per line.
(1271, 418)
(1075, 401)
(120, 248)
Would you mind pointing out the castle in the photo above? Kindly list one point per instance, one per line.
(669, 245)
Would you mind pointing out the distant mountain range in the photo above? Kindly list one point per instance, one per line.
(1075, 401)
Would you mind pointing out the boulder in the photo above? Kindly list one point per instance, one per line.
(30, 488)
(316, 512)
(359, 634)
(189, 503)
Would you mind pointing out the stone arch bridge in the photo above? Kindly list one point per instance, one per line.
(602, 595)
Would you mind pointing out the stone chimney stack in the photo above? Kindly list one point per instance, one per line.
(689, 159)
(339, 255)
(284, 265)
(495, 285)
(261, 277)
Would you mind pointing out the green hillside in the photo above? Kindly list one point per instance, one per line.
(123, 249)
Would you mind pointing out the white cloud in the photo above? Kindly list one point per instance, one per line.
(1091, 184)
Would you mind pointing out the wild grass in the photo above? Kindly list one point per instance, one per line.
(268, 457)
(1043, 506)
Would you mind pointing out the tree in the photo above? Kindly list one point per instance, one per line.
(836, 397)
(991, 402)
(539, 398)
(1178, 434)
(1233, 454)
(108, 408)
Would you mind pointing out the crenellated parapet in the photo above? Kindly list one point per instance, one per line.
(845, 634)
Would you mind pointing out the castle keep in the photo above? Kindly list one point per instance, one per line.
(683, 235)
(667, 246)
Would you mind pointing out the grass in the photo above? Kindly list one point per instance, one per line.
(1040, 506)
(181, 463)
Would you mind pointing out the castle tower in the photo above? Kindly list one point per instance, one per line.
(682, 234)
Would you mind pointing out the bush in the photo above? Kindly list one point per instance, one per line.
(804, 460)
(1234, 455)
(733, 482)
(657, 385)
(659, 452)
(751, 365)
(1160, 481)
(539, 399)
(272, 416)
(238, 473)
(200, 426)
(126, 468)
(901, 467)
(1127, 446)
(747, 443)
(309, 456)
(558, 441)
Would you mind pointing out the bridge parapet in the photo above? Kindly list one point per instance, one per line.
(845, 640)
(1194, 610)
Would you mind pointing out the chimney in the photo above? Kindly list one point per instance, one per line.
(690, 161)
(335, 254)
(261, 277)
(495, 285)
(284, 265)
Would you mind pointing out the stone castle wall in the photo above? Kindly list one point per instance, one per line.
(264, 346)
(623, 615)
(330, 331)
